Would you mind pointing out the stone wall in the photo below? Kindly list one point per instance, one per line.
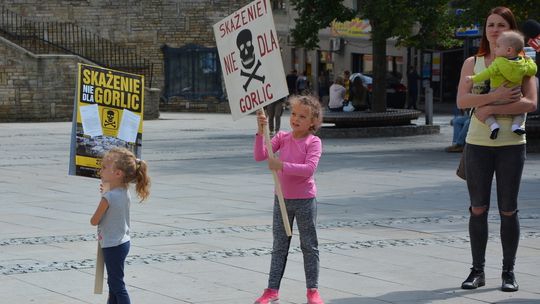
(140, 25)
(35, 88)
(42, 87)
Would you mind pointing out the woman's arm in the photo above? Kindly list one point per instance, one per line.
(466, 99)
(527, 103)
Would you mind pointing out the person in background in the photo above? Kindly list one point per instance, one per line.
(337, 95)
(291, 82)
(461, 126)
(302, 84)
(347, 84)
(412, 87)
(358, 94)
(274, 111)
(323, 84)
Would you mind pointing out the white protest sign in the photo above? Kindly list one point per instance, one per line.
(250, 58)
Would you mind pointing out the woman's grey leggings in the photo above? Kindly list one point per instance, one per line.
(305, 212)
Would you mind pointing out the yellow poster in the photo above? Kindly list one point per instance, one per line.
(108, 109)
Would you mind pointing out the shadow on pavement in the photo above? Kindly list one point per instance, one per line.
(426, 297)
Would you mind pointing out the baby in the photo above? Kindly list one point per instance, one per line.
(508, 68)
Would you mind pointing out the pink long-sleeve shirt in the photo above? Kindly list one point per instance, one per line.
(300, 158)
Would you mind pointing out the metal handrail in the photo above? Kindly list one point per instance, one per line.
(67, 37)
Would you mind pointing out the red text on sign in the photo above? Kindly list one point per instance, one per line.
(267, 43)
(230, 63)
(255, 98)
(242, 17)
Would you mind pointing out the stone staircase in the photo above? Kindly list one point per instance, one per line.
(68, 38)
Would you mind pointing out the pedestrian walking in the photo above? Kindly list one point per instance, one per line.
(274, 111)
(291, 78)
(412, 86)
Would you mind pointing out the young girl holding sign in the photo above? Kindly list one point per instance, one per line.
(299, 154)
(119, 167)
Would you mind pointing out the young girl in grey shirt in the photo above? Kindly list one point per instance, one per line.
(119, 167)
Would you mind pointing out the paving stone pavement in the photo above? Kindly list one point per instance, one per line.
(392, 220)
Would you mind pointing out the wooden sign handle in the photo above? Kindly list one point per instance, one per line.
(277, 184)
(100, 263)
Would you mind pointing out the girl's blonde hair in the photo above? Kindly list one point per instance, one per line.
(135, 170)
(315, 108)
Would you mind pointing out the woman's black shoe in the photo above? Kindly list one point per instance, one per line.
(476, 279)
(509, 283)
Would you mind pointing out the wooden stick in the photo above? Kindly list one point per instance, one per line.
(277, 184)
(98, 282)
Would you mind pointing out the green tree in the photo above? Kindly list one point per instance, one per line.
(388, 18)
(475, 11)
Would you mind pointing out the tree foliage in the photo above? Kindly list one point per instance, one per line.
(476, 11)
(423, 24)
(315, 15)
(388, 18)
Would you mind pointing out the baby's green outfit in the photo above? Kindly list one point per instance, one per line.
(512, 71)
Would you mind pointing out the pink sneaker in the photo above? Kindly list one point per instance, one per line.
(313, 296)
(269, 296)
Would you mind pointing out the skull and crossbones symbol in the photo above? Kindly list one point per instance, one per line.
(244, 42)
(109, 120)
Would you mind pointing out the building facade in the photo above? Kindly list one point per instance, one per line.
(134, 29)
(175, 40)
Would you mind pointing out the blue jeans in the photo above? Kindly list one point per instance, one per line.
(461, 126)
(114, 262)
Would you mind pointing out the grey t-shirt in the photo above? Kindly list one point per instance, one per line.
(113, 229)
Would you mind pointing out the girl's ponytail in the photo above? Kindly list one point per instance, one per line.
(142, 180)
(135, 170)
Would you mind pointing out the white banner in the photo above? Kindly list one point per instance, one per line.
(250, 58)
